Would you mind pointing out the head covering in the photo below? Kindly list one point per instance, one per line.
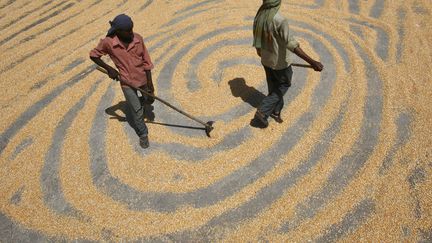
(120, 22)
(263, 23)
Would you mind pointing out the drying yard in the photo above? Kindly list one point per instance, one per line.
(351, 162)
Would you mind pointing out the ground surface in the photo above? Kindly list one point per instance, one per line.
(351, 162)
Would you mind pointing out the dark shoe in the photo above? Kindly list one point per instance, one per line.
(276, 117)
(261, 118)
(144, 142)
(256, 123)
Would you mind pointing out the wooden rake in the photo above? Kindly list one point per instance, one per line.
(208, 126)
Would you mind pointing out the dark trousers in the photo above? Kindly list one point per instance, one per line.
(278, 82)
(136, 110)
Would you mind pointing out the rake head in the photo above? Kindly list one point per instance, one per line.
(209, 128)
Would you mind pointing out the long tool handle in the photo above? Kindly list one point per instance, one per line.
(301, 65)
(161, 100)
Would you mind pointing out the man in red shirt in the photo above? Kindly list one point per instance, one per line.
(129, 54)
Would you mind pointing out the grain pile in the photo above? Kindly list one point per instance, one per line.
(352, 160)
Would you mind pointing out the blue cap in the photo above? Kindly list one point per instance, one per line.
(120, 22)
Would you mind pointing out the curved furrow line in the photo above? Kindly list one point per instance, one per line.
(145, 5)
(325, 174)
(401, 31)
(382, 44)
(33, 110)
(176, 34)
(35, 23)
(403, 123)
(169, 202)
(58, 23)
(377, 9)
(193, 83)
(354, 6)
(265, 197)
(54, 7)
(166, 75)
(49, 178)
(190, 154)
(179, 19)
(8, 3)
(53, 42)
(196, 5)
(27, 13)
(352, 220)
(317, 5)
(61, 57)
(352, 163)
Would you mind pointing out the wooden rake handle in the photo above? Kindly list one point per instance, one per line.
(163, 101)
(301, 65)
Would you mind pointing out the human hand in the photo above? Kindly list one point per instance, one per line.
(317, 66)
(150, 99)
(113, 74)
(151, 89)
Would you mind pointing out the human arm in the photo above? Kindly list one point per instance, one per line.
(95, 55)
(258, 50)
(149, 81)
(149, 86)
(148, 66)
(112, 72)
(293, 45)
(316, 65)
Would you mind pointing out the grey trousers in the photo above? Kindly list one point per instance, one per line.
(136, 110)
(278, 82)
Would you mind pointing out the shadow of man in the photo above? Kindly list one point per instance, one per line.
(248, 94)
(122, 106)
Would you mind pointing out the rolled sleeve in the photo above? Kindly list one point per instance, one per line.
(290, 41)
(100, 50)
(292, 44)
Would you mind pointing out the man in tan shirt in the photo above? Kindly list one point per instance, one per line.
(274, 44)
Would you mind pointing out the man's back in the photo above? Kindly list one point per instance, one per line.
(278, 54)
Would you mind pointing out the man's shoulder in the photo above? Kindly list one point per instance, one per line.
(107, 40)
(138, 36)
(279, 16)
(280, 19)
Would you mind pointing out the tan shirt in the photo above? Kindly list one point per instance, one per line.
(279, 55)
